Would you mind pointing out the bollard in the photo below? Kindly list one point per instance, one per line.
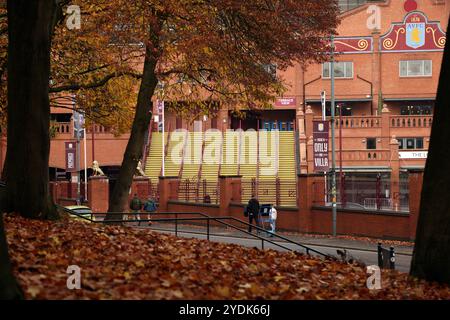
(391, 258)
(380, 255)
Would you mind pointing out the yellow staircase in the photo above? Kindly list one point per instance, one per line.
(154, 158)
(287, 170)
(192, 156)
(191, 166)
(268, 166)
(175, 153)
(238, 155)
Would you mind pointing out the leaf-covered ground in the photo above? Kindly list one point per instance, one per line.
(385, 242)
(124, 263)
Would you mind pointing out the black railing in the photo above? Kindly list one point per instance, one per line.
(92, 218)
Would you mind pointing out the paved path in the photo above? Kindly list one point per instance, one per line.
(364, 251)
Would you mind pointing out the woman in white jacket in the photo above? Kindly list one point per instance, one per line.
(273, 220)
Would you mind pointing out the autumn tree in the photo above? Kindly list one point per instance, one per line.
(3, 65)
(217, 50)
(30, 28)
(28, 63)
(431, 260)
(92, 75)
(82, 78)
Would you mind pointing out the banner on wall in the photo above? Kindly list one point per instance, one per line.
(286, 102)
(321, 146)
(71, 156)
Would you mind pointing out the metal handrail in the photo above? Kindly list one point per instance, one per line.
(204, 217)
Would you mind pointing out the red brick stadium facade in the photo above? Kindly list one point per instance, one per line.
(388, 57)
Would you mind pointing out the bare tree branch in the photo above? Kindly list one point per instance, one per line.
(99, 83)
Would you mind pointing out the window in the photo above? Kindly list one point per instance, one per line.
(410, 143)
(416, 110)
(341, 70)
(371, 143)
(419, 143)
(346, 5)
(346, 110)
(415, 68)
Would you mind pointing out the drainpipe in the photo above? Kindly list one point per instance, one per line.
(371, 93)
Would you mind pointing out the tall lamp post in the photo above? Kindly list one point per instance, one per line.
(341, 172)
(161, 106)
(78, 124)
(333, 147)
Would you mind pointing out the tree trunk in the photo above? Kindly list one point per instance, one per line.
(431, 259)
(26, 168)
(133, 152)
(9, 288)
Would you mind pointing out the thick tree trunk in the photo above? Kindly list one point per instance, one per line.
(9, 288)
(133, 153)
(26, 169)
(431, 258)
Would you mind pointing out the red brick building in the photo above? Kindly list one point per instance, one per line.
(388, 58)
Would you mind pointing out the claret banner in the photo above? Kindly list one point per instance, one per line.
(320, 145)
(71, 153)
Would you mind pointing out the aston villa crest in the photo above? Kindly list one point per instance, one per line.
(415, 35)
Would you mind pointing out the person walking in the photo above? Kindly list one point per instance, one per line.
(253, 212)
(135, 206)
(273, 220)
(149, 207)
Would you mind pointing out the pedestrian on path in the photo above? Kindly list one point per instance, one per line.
(149, 207)
(253, 212)
(135, 206)
(273, 219)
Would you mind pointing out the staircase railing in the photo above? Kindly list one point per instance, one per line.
(257, 162)
(92, 217)
(297, 150)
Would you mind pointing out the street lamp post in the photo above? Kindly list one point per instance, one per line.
(341, 172)
(333, 147)
(78, 123)
(85, 166)
(160, 108)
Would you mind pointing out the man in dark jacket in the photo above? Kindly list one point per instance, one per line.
(253, 212)
(135, 206)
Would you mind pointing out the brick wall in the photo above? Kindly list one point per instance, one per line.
(309, 217)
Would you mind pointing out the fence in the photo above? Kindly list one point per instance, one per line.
(191, 190)
(411, 121)
(365, 191)
(274, 191)
(67, 191)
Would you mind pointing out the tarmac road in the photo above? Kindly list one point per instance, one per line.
(368, 257)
